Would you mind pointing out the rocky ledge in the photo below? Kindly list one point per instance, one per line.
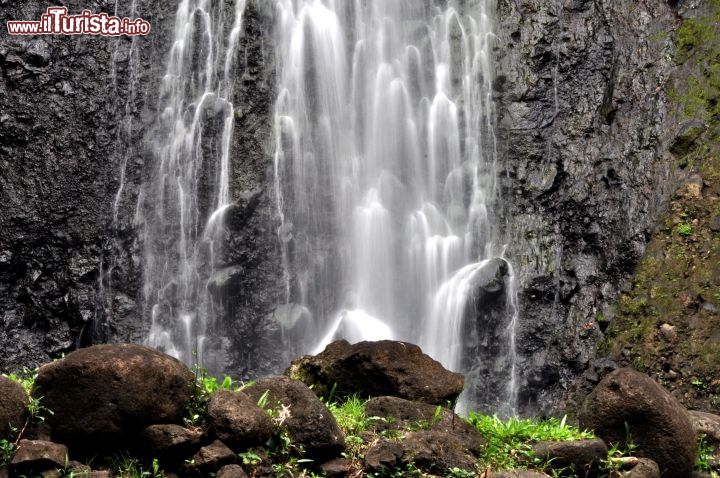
(129, 401)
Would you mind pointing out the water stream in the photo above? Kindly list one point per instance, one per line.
(385, 172)
(180, 208)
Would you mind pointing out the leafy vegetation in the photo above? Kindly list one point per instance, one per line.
(126, 466)
(705, 453)
(509, 443)
(204, 387)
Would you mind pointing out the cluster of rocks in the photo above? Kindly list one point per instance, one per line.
(108, 398)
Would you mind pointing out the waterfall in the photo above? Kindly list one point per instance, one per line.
(385, 166)
(180, 208)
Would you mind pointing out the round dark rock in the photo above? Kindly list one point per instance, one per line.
(376, 369)
(13, 408)
(581, 457)
(209, 459)
(103, 395)
(309, 423)
(645, 468)
(436, 452)
(32, 457)
(628, 406)
(171, 443)
(231, 471)
(237, 420)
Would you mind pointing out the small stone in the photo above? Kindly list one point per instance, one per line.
(668, 332)
(645, 468)
(337, 468)
(231, 471)
(213, 457)
(39, 52)
(33, 457)
(715, 224)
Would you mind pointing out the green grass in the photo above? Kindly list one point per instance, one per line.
(123, 465)
(509, 443)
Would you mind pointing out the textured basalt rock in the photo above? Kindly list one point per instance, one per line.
(628, 406)
(104, 395)
(376, 369)
(582, 107)
(78, 117)
(13, 408)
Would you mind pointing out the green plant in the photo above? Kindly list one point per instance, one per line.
(36, 410)
(124, 465)
(7, 448)
(250, 459)
(351, 417)
(699, 384)
(508, 443)
(704, 455)
(684, 229)
(204, 387)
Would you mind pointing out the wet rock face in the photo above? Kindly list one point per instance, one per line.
(69, 104)
(581, 90)
(76, 112)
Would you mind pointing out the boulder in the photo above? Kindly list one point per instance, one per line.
(436, 452)
(376, 369)
(171, 443)
(574, 457)
(13, 408)
(707, 424)
(231, 471)
(430, 451)
(209, 459)
(628, 406)
(645, 468)
(104, 395)
(336, 468)
(308, 421)
(237, 420)
(33, 457)
(401, 414)
(383, 455)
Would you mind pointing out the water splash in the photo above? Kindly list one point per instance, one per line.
(181, 208)
(385, 167)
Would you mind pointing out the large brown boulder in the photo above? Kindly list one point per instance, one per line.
(628, 406)
(401, 414)
(376, 369)
(237, 420)
(104, 395)
(573, 457)
(430, 451)
(307, 420)
(13, 408)
(33, 457)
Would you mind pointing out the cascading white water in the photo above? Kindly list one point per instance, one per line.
(181, 219)
(385, 170)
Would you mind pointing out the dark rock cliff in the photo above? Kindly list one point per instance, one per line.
(67, 103)
(582, 99)
(582, 92)
(77, 115)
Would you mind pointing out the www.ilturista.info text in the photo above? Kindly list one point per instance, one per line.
(57, 22)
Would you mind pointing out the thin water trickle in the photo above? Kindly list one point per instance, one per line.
(385, 166)
(182, 225)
